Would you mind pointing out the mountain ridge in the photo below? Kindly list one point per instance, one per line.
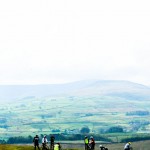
(78, 88)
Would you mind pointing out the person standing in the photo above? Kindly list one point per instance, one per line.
(92, 143)
(52, 139)
(86, 142)
(44, 142)
(36, 142)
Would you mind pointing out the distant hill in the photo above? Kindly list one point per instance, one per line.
(123, 89)
(66, 108)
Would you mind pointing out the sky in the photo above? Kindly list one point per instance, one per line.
(43, 41)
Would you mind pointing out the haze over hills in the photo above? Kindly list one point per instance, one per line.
(64, 108)
(124, 89)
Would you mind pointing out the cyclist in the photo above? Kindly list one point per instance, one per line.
(127, 146)
(44, 143)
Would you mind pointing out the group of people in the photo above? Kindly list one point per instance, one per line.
(126, 147)
(45, 143)
(89, 143)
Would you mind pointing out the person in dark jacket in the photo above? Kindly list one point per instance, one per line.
(92, 143)
(36, 142)
(52, 139)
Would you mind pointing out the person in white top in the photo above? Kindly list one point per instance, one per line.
(127, 146)
(44, 141)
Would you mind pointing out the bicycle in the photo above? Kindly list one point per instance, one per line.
(45, 146)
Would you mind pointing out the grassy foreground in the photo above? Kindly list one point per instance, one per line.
(15, 147)
(142, 145)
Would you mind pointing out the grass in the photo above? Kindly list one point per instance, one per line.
(15, 147)
(142, 145)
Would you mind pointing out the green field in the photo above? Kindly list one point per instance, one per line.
(30, 116)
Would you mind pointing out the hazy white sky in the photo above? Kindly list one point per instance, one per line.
(64, 40)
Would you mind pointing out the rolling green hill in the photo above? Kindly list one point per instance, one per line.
(66, 108)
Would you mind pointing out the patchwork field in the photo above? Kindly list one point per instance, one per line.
(99, 105)
(69, 114)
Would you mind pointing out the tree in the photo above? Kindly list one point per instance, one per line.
(116, 129)
(85, 130)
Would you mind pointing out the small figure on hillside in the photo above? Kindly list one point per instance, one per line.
(127, 146)
(57, 146)
(92, 143)
(36, 142)
(52, 139)
(103, 148)
(44, 142)
(86, 142)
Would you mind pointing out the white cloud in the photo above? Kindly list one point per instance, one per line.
(60, 41)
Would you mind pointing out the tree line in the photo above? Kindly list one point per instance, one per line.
(72, 137)
(61, 137)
